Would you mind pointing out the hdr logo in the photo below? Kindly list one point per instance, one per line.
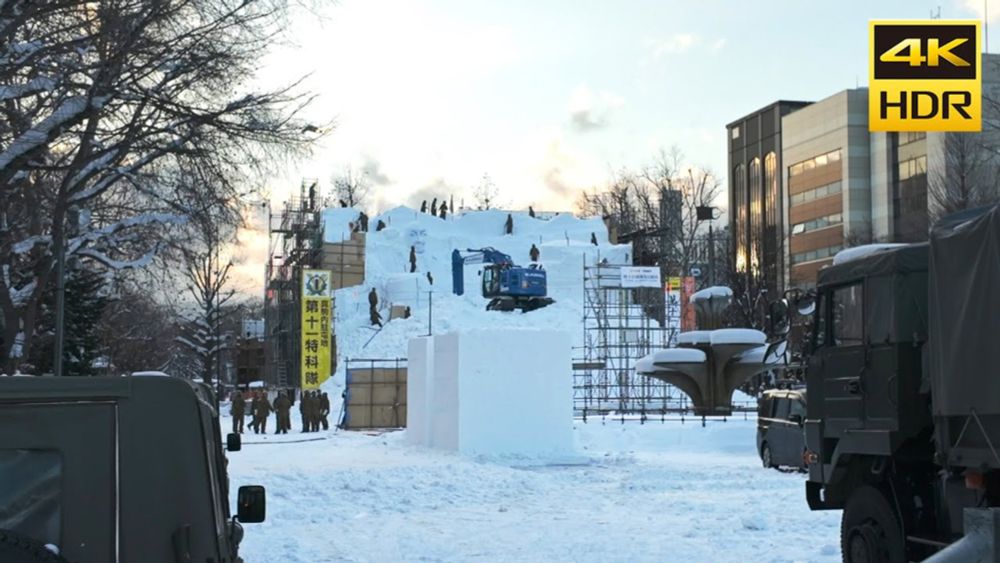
(925, 75)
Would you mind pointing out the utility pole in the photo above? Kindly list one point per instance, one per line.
(57, 360)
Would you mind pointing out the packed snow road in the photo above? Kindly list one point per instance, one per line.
(654, 492)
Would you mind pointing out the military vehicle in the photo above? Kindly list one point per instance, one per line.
(116, 470)
(903, 379)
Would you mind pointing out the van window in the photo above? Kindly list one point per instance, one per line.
(30, 493)
(797, 407)
(781, 408)
(764, 407)
(848, 315)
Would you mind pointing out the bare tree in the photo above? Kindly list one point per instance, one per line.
(969, 175)
(100, 104)
(656, 209)
(486, 193)
(352, 187)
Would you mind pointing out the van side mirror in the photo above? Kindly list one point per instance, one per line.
(251, 504)
(796, 418)
(778, 319)
(233, 442)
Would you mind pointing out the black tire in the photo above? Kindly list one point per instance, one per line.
(870, 530)
(18, 548)
(765, 456)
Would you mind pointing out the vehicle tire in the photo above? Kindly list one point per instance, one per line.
(870, 530)
(765, 456)
(18, 548)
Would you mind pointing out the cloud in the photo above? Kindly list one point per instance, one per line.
(681, 43)
(590, 111)
(675, 44)
(976, 7)
(437, 188)
(372, 169)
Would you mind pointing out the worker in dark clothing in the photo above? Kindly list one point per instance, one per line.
(254, 401)
(238, 408)
(533, 253)
(430, 278)
(508, 226)
(312, 409)
(324, 411)
(281, 407)
(423, 206)
(413, 259)
(343, 203)
(379, 226)
(531, 211)
(434, 207)
(373, 308)
(261, 414)
(363, 222)
(302, 410)
(444, 209)
(593, 239)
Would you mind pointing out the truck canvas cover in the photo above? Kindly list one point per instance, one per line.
(964, 344)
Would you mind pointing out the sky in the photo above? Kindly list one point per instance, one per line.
(549, 98)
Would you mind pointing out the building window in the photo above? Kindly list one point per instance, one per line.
(817, 161)
(740, 201)
(756, 214)
(825, 190)
(772, 221)
(736, 132)
(818, 223)
(907, 137)
(818, 254)
(912, 167)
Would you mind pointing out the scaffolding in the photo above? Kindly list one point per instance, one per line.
(621, 325)
(296, 243)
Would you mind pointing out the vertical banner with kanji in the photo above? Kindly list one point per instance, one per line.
(316, 312)
(687, 316)
(672, 295)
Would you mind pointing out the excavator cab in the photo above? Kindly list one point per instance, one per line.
(491, 280)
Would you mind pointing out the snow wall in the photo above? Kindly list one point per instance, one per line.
(465, 394)
(564, 242)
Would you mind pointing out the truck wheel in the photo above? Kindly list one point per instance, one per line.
(18, 548)
(870, 530)
(765, 456)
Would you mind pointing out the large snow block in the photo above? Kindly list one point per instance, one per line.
(503, 392)
(419, 390)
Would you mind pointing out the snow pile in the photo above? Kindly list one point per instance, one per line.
(865, 250)
(737, 336)
(714, 292)
(464, 389)
(564, 243)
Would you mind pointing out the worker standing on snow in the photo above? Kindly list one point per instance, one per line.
(508, 226)
(261, 414)
(324, 411)
(533, 253)
(531, 212)
(413, 259)
(593, 239)
(238, 408)
(363, 222)
(434, 207)
(430, 278)
(444, 209)
(302, 410)
(423, 206)
(373, 308)
(379, 226)
(254, 401)
(281, 407)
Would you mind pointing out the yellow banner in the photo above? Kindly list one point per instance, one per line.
(316, 335)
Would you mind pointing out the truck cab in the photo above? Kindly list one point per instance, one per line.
(116, 469)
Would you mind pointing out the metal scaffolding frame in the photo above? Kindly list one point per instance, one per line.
(621, 325)
(296, 242)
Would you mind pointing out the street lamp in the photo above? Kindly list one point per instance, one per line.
(707, 213)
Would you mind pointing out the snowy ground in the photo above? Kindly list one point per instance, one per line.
(654, 492)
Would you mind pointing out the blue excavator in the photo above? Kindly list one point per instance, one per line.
(506, 285)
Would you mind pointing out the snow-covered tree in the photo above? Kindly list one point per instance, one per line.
(101, 105)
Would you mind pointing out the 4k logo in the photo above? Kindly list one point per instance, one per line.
(925, 75)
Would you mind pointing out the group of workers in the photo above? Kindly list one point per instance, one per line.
(313, 406)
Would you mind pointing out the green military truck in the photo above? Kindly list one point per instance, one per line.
(903, 379)
(99, 470)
